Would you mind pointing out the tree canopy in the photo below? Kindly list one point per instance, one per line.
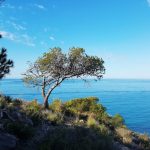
(54, 67)
(5, 64)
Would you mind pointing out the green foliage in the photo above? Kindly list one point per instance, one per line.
(84, 105)
(91, 122)
(77, 138)
(56, 106)
(33, 110)
(117, 120)
(33, 106)
(19, 129)
(50, 70)
(103, 129)
(5, 64)
(54, 118)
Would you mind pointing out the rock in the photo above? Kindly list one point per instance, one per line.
(7, 141)
(118, 146)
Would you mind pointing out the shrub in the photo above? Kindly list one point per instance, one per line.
(56, 106)
(17, 102)
(144, 141)
(91, 122)
(36, 117)
(19, 129)
(54, 118)
(33, 110)
(33, 106)
(8, 99)
(124, 135)
(84, 105)
(77, 138)
(3, 102)
(117, 120)
(104, 130)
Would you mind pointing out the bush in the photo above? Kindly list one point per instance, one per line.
(33, 106)
(144, 141)
(33, 110)
(117, 121)
(3, 102)
(124, 135)
(91, 122)
(19, 129)
(76, 138)
(56, 106)
(17, 102)
(84, 105)
(104, 130)
(54, 118)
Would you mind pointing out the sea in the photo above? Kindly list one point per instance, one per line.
(127, 97)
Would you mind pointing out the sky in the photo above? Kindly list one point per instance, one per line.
(116, 30)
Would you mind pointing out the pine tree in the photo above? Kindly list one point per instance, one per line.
(5, 64)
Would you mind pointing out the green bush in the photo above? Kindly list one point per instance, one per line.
(56, 106)
(33, 106)
(84, 105)
(54, 118)
(91, 122)
(33, 110)
(117, 120)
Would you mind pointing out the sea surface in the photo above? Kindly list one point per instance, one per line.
(130, 98)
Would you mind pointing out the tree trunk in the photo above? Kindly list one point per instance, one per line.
(46, 105)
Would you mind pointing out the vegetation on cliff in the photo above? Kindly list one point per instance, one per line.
(79, 124)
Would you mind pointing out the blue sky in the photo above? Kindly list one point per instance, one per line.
(116, 30)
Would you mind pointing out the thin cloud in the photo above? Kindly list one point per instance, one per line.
(8, 6)
(24, 38)
(8, 35)
(27, 40)
(40, 6)
(17, 26)
(51, 38)
(148, 1)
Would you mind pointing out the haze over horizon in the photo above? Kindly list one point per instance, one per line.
(118, 31)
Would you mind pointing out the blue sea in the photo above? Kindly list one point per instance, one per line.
(130, 98)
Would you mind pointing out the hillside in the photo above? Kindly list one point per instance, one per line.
(79, 124)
